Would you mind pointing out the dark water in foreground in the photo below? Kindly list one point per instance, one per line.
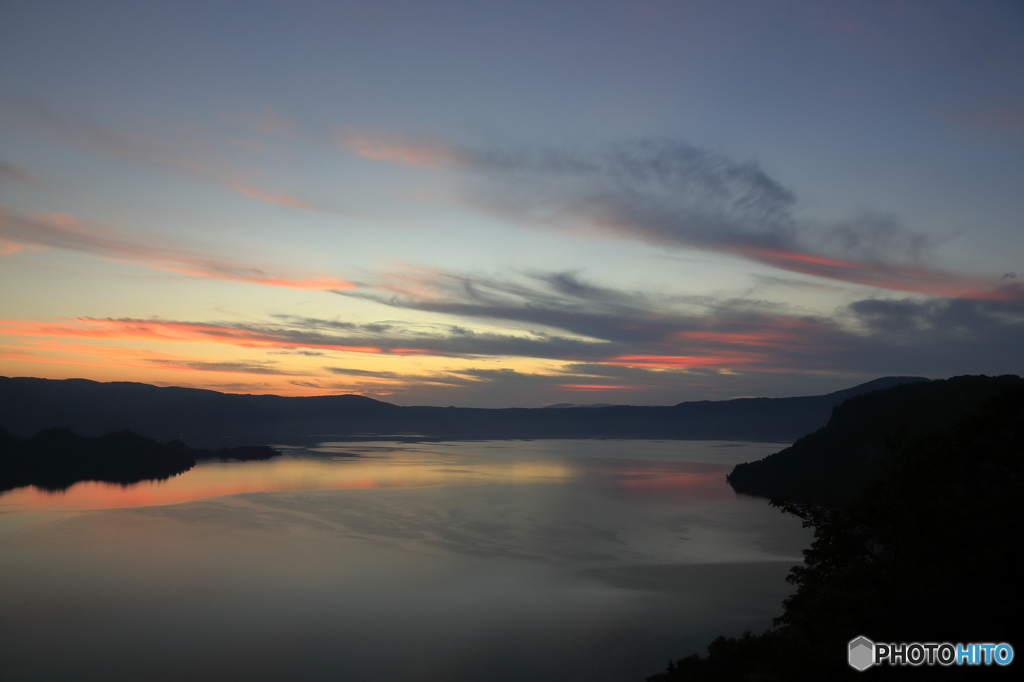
(497, 560)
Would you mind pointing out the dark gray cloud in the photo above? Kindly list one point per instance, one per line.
(601, 332)
(944, 316)
(622, 346)
(347, 371)
(662, 191)
(307, 353)
(305, 384)
(949, 336)
(260, 387)
(542, 303)
(335, 325)
(934, 336)
(236, 367)
(451, 378)
(875, 238)
(673, 194)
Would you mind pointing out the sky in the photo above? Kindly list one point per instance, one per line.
(512, 204)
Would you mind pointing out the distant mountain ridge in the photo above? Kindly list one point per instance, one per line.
(208, 418)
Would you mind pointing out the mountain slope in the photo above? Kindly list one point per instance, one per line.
(837, 460)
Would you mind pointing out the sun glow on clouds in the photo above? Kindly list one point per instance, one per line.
(540, 332)
(731, 360)
(169, 330)
(598, 387)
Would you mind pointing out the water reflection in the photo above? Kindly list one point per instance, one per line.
(375, 464)
(541, 560)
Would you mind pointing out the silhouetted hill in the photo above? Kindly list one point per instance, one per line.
(930, 547)
(54, 459)
(837, 460)
(208, 417)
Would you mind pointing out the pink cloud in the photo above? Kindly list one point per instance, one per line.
(193, 156)
(62, 231)
(170, 330)
(272, 198)
(998, 117)
(598, 387)
(423, 151)
(881, 275)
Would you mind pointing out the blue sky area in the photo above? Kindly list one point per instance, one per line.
(511, 204)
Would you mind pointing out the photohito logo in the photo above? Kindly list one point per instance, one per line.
(862, 653)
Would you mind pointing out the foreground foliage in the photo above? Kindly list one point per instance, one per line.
(929, 551)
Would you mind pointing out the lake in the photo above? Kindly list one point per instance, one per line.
(386, 560)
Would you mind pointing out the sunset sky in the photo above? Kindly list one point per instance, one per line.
(512, 203)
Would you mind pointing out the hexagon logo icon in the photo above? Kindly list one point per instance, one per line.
(861, 653)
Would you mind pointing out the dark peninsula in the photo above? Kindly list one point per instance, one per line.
(55, 459)
(836, 461)
(926, 549)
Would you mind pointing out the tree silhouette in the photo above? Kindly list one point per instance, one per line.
(928, 551)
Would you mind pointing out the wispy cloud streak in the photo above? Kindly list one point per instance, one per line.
(62, 231)
(224, 367)
(644, 330)
(193, 158)
(672, 194)
(10, 173)
(559, 317)
(384, 146)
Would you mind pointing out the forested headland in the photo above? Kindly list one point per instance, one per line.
(55, 459)
(927, 549)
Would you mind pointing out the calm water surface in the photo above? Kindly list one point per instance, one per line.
(493, 560)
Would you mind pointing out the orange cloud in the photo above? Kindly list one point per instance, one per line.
(424, 151)
(599, 387)
(224, 367)
(7, 248)
(271, 198)
(167, 330)
(62, 231)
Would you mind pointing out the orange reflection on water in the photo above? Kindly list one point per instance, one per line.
(405, 469)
